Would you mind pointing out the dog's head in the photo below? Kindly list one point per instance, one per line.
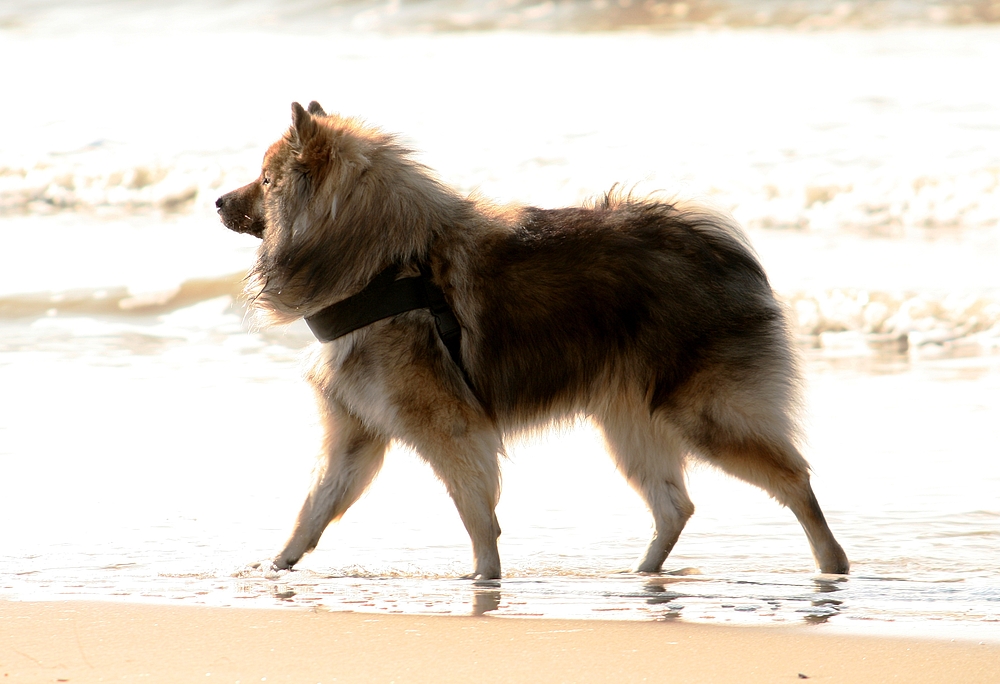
(335, 203)
(243, 209)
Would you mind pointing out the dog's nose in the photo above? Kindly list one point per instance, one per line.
(219, 202)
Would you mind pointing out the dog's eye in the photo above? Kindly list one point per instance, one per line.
(266, 181)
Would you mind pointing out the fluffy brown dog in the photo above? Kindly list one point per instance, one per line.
(653, 319)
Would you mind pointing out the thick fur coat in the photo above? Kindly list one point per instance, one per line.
(654, 319)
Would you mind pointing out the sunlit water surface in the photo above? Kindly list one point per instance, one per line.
(151, 446)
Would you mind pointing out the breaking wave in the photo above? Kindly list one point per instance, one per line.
(119, 301)
(105, 178)
(837, 322)
(861, 322)
(877, 202)
(883, 204)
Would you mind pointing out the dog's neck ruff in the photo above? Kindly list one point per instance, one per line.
(387, 296)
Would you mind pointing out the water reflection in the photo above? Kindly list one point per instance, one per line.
(484, 601)
(660, 594)
(826, 585)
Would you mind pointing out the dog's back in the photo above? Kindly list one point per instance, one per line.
(632, 293)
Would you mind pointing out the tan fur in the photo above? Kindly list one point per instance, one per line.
(653, 319)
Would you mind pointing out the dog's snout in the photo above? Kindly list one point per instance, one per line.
(239, 210)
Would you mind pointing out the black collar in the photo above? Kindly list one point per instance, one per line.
(383, 297)
(387, 296)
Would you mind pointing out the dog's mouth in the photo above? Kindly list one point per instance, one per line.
(244, 224)
(237, 220)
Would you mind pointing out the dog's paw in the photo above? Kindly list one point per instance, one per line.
(487, 579)
(268, 569)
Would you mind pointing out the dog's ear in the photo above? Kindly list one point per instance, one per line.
(303, 126)
(316, 109)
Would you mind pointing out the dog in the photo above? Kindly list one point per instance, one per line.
(654, 319)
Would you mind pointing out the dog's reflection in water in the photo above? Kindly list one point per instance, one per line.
(485, 600)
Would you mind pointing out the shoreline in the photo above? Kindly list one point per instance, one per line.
(84, 641)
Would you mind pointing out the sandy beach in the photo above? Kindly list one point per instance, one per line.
(92, 642)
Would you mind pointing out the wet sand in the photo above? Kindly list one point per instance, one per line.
(89, 642)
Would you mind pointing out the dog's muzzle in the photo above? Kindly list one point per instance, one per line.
(236, 209)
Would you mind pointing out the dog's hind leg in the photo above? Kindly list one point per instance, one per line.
(352, 459)
(650, 455)
(781, 471)
(746, 431)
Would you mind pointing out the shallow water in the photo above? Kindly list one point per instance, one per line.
(151, 446)
(158, 478)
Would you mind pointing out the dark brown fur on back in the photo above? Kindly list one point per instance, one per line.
(639, 284)
(653, 319)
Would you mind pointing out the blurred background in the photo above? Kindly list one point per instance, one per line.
(492, 15)
(151, 443)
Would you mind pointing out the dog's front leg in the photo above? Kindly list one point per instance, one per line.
(470, 471)
(352, 459)
(477, 507)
